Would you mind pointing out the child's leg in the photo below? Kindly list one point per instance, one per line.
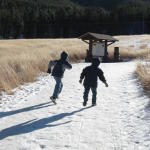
(94, 92)
(86, 93)
(57, 87)
(61, 86)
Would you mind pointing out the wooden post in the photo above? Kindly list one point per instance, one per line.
(105, 58)
(87, 55)
(116, 54)
(90, 50)
(106, 49)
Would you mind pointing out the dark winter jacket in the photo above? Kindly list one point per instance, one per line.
(90, 74)
(59, 67)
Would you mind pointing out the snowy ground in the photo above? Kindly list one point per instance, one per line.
(120, 121)
(135, 41)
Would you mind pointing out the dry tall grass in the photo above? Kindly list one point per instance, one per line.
(131, 47)
(143, 72)
(22, 60)
(129, 52)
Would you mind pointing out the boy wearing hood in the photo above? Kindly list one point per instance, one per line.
(59, 67)
(90, 74)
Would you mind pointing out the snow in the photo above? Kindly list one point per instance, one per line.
(120, 121)
(135, 41)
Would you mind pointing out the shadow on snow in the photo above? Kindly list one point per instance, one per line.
(34, 124)
(13, 112)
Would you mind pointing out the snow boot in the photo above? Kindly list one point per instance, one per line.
(53, 100)
(93, 104)
(84, 103)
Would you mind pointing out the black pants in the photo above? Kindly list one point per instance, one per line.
(86, 93)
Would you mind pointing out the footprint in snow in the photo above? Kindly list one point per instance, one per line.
(42, 146)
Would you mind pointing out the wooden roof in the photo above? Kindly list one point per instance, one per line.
(95, 36)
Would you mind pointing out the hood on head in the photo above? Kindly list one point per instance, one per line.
(63, 55)
(95, 62)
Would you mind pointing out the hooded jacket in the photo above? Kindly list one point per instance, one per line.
(59, 67)
(90, 75)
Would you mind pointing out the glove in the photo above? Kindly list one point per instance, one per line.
(106, 84)
(49, 71)
(80, 81)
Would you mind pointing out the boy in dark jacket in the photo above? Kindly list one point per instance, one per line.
(90, 74)
(59, 67)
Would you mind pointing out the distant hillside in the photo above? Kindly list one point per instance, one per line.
(97, 3)
(71, 18)
(108, 3)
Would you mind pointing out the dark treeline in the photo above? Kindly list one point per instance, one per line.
(71, 18)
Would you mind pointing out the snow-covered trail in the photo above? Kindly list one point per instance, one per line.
(120, 121)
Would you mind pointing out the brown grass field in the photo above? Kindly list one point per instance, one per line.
(143, 72)
(21, 61)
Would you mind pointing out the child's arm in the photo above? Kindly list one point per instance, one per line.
(101, 77)
(82, 75)
(68, 65)
(51, 63)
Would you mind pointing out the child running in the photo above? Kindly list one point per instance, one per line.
(90, 74)
(59, 67)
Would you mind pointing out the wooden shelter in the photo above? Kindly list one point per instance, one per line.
(92, 38)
